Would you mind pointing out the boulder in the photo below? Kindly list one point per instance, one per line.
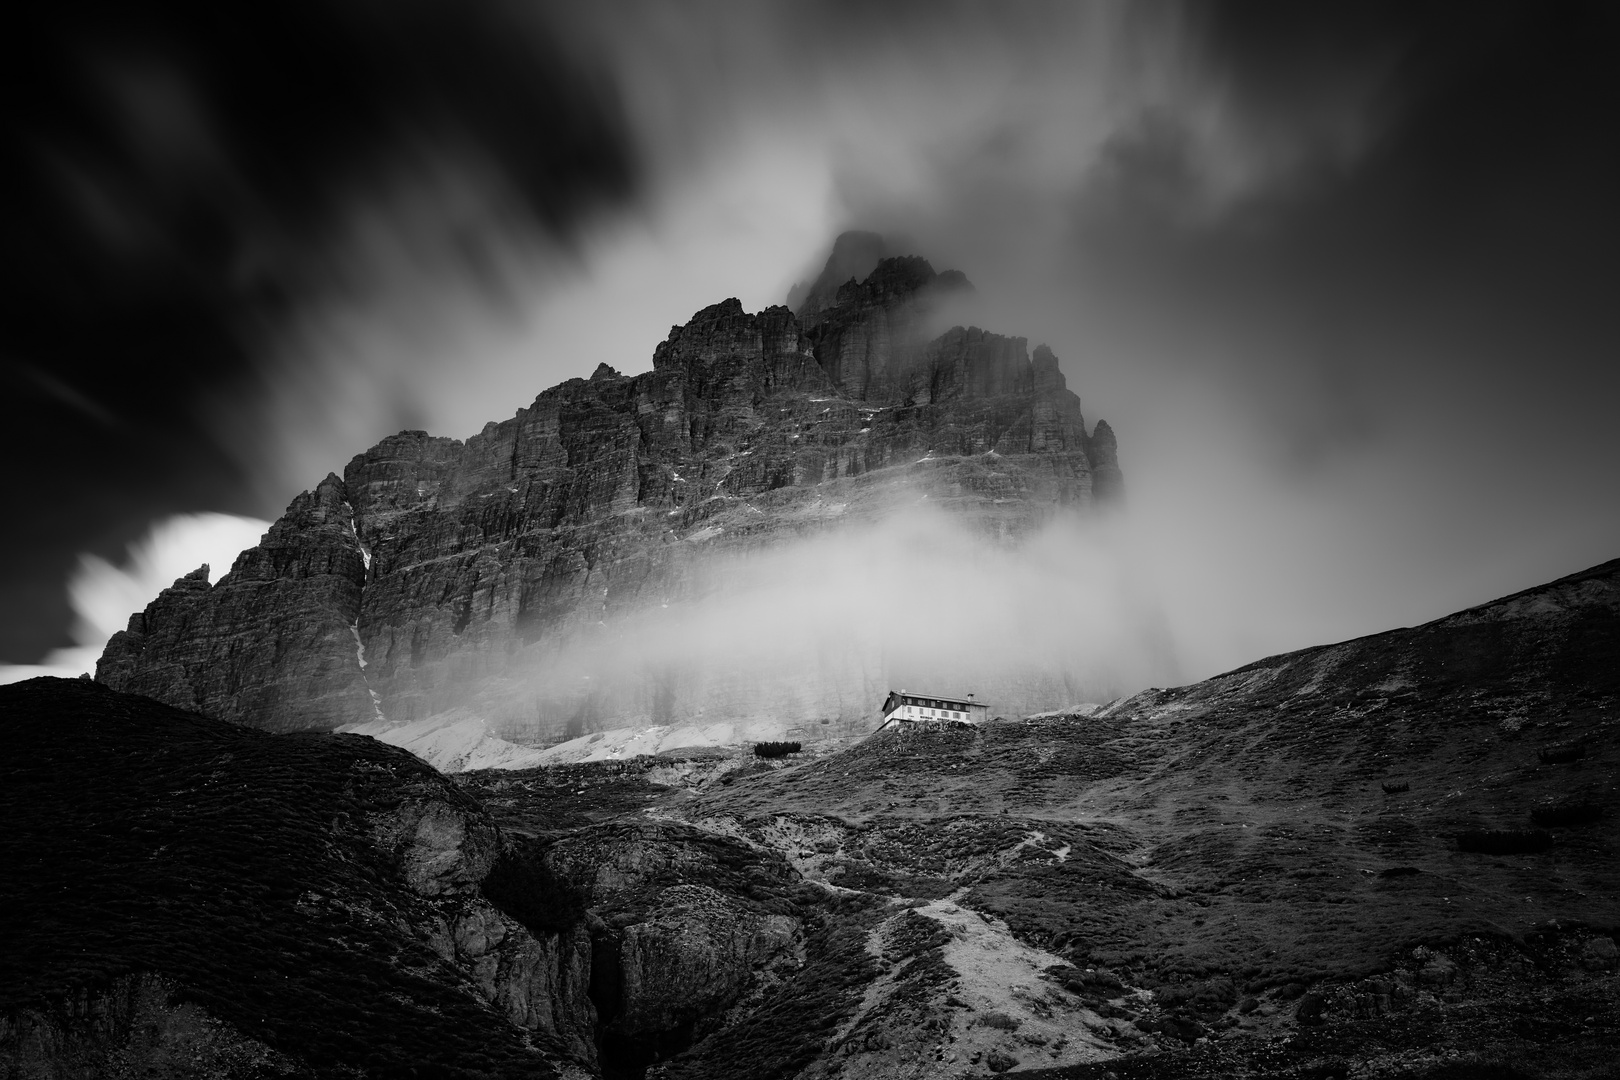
(1600, 954)
(1311, 1009)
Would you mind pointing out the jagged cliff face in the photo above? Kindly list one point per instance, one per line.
(506, 574)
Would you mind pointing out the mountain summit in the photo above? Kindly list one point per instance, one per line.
(516, 574)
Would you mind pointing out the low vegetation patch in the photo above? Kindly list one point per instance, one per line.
(776, 749)
(1208, 997)
(1504, 841)
(999, 1020)
(556, 799)
(1564, 815)
(238, 866)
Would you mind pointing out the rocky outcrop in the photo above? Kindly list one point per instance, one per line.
(273, 643)
(871, 339)
(495, 574)
(443, 845)
(539, 981)
(855, 255)
(1107, 482)
(688, 924)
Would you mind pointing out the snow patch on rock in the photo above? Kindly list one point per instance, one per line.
(661, 738)
(455, 741)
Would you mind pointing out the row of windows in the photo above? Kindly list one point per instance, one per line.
(933, 703)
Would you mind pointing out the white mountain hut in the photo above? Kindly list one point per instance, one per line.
(905, 707)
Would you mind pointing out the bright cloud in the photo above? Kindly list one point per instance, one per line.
(104, 595)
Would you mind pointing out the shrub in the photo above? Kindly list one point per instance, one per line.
(1561, 755)
(776, 749)
(1204, 996)
(1310, 1009)
(999, 1020)
(1504, 842)
(998, 1062)
(1182, 1027)
(1104, 979)
(1396, 789)
(1564, 815)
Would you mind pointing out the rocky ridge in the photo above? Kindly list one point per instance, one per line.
(489, 573)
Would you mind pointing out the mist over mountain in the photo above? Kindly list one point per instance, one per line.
(1392, 857)
(791, 513)
(441, 728)
(1313, 249)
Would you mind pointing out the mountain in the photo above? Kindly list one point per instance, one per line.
(1394, 858)
(566, 569)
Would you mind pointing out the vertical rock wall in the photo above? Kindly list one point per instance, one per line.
(273, 643)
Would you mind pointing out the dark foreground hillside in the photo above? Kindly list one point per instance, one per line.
(1395, 858)
(188, 897)
(184, 897)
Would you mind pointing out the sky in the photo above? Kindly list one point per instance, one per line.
(1342, 277)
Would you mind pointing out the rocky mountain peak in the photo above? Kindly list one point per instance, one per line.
(437, 574)
(891, 278)
(854, 255)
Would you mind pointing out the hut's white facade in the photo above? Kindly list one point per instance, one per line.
(903, 706)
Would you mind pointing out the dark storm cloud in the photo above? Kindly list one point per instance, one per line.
(1421, 329)
(176, 178)
(1459, 195)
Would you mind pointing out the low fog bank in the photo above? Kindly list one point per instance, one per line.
(813, 632)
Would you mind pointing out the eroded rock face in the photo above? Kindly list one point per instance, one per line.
(672, 925)
(444, 846)
(272, 644)
(687, 925)
(692, 961)
(855, 255)
(540, 981)
(438, 574)
(443, 841)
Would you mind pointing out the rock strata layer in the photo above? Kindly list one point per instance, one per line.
(509, 574)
